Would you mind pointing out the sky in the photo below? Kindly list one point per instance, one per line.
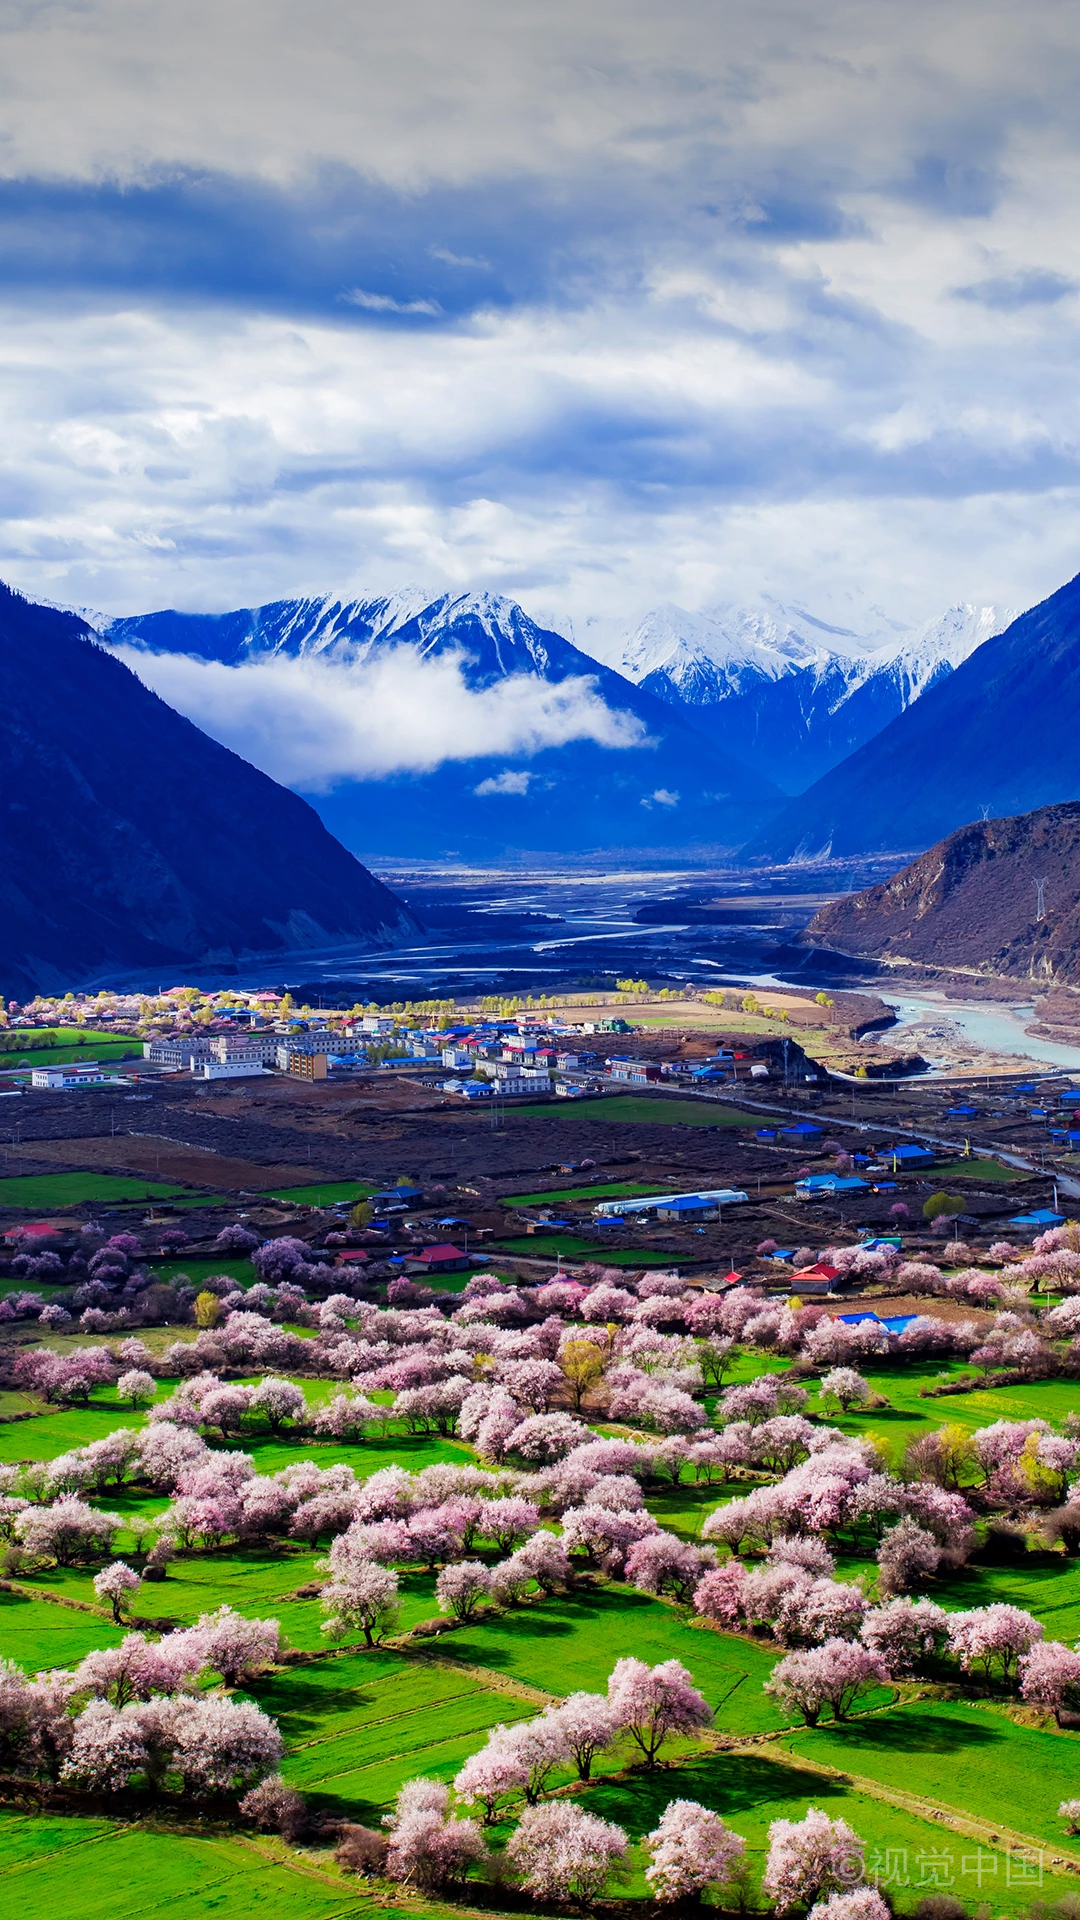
(595, 303)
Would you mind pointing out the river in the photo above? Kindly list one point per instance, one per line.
(998, 1026)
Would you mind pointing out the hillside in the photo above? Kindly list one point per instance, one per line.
(972, 902)
(130, 839)
(998, 736)
(657, 782)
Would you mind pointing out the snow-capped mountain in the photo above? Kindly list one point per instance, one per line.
(494, 635)
(337, 629)
(715, 716)
(797, 692)
(599, 763)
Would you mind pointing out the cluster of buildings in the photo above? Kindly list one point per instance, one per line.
(220, 1056)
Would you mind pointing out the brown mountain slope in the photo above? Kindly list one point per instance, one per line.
(972, 901)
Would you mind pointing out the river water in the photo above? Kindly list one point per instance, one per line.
(998, 1026)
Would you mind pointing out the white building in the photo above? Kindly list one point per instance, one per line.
(258, 1047)
(59, 1079)
(226, 1069)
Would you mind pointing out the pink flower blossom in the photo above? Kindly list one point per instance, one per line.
(833, 1674)
(651, 1703)
(811, 1857)
(563, 1853)
(691, 1850)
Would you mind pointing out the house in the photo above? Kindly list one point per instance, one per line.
(444, 1259)
(351, 1257)
(469, 1089)
(1040, 1218)
(34, 1230)
(397, 1199)
(821, 1270)
(909, 1155)
(177, 1054)
(262, 1047)
(817, 1185)
(691, 1206)
(634, 1073)
(457, 1057)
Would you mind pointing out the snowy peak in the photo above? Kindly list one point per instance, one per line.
(711, 649)
(947, 641)
(495, 636)
(342, 629)
(802, 689)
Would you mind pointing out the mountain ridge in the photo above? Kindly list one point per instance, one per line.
(128, 838)
(996, 737)
(1001, 897)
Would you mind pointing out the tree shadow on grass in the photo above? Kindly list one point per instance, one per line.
(913, 1732)
(728, 1783)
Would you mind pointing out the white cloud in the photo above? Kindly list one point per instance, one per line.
(382, 303)
(758, 376)
(506, 782)
(312, 723)
(663, 797)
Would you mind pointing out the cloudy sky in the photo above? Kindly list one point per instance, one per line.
(597, 303)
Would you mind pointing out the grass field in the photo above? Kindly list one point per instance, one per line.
(967, 1757)
(65, 1044)
(47, 1190)
(624, 1189)
(92, 1870)
(325, 1193)
(639, 1109)
(750, 1791)
(908, 1415)
(199, 1270)
(978, 1170)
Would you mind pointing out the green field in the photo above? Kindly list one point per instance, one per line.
(92, 1870)
(978, 1170)
(199, 1270)
(58, 1046)
(325, 1193)
(47, 1190)
(963, 1756)
(620, 1188)
(641, 1110)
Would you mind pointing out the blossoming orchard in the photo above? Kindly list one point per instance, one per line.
(607, 1588)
